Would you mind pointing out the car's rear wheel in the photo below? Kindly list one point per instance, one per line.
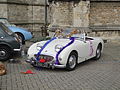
(72, 61)
(98, 53)
(4, 53)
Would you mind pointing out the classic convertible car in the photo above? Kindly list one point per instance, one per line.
(65, 50)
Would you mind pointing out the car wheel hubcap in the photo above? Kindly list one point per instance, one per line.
(72, 61)
(2, 53)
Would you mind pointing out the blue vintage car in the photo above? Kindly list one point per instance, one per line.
(21, 32)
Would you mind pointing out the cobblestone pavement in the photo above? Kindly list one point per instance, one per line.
(103, 74)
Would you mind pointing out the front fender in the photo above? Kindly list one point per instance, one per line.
(33, 49)
(63, 57)
(4, 43)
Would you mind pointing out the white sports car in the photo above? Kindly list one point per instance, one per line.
(65, 50)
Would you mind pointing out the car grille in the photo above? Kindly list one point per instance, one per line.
(46, 57)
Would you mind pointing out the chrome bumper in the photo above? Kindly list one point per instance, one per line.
(16, 49)
(47, 65)
(59, 66)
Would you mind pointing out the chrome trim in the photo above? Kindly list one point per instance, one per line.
(19, 48)
(51, 64)
(59, 66)
(16, 49)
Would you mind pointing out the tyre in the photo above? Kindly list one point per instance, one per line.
(98, 53)
(21, 37)
(72, 61)
(4, 53)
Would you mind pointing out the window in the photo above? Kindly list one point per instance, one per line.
(2, 34)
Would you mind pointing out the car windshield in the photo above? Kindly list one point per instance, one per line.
(67, 33)
(5, 21)
(5, 29)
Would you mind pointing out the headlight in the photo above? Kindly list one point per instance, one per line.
(58, 47)
(39, 46)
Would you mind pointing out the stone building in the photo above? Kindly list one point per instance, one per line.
(105, 17)
(102, 17)
(28, 14)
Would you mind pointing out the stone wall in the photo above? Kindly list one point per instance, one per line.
(3, 10)
(105, 13)
(17, 13)
(102, 17)
(81, 14)
(70, 13)
(108, 35)
(61, 13)
(29, 14)
(105, 19)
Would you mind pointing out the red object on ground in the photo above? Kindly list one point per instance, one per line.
(28, 72)
(42, 60)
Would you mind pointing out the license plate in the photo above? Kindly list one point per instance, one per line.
(43, 64)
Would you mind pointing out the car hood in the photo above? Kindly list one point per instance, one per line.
(50, 48)
(16, 29)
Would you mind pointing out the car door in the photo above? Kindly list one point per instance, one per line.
(90, 44)
(83, 50)
(2, 34)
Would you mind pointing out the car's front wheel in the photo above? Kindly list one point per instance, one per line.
(4, 53)
(21, 37)
(72, 61)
